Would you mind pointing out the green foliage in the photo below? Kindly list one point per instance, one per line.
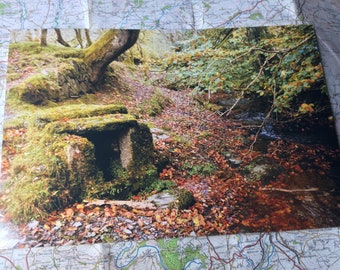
(159, 185)
(51, 172)
(205, 169)
(276, 62)
(24, 199)
(109, 190)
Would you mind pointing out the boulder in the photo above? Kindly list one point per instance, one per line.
(79, 152)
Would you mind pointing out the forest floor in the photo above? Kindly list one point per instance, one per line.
(275, 185)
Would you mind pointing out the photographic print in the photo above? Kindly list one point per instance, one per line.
(137, 135)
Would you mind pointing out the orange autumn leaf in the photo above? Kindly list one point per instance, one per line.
(158, 218)
(198, 220)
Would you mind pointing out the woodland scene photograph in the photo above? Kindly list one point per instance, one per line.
(119, 135)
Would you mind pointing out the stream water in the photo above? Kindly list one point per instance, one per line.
(323, 204)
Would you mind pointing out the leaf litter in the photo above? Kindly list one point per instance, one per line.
(202, 148)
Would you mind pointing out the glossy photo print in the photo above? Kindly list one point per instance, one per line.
(143, 135)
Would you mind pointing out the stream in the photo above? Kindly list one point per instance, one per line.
(323, 201)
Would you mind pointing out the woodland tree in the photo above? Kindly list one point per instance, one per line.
(107, 49)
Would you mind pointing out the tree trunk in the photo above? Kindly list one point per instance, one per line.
(43, 37)
(79, 37)
(88, 38)
(106, 49)
(60, 38)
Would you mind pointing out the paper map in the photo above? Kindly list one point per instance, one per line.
(309, 249)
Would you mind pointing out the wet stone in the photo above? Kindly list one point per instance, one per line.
(235, 162)
(162, 200)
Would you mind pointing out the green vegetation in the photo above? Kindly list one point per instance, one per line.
(184, 200)
(35, 58)
(37, 89)
(199, 169)
(281, 64)
(47, 71)
(155, 104)
(159, 185)
(60, 165)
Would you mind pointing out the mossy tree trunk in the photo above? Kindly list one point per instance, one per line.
(106, 49)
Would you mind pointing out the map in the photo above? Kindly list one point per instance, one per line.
(309, 249)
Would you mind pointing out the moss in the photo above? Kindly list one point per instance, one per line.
(75, 111)
(92, 125)
(142, 167)
(184, 199)
(69, 53)
(157, 186)
(35, 48)
(155, 104)
(52, 172)
(61, 156)
(24, 201)
(37, 89)
(67, 73)
(96, 50)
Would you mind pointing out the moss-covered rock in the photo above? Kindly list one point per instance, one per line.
(176, 198)
(37, 89)
(93, 125)
(262, 169)
(73, 78)
(74, 112)
(184, 199)
(89, 155)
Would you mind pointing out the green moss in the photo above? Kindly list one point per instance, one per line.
(75, 111)
(37, 89)
(23, 203)
(143, 157)
(95, 51)
(52, 172)
(36, 57)
(61, 157)
(155, 104)
(118, 188)
(158, 185)
(184, 199)
(95, 124)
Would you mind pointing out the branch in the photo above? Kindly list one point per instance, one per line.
(133, 204)
(290, 190)
(227, 112)
(284, 51)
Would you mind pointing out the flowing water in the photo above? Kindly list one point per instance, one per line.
(322, 203)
